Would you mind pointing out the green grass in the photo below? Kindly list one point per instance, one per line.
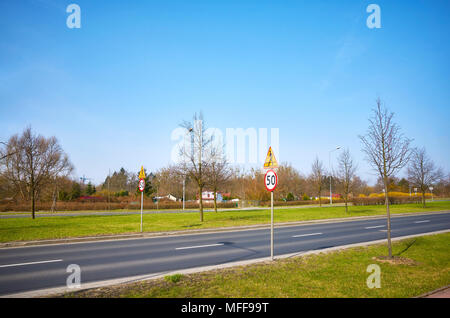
(20, 229)
(335, 274)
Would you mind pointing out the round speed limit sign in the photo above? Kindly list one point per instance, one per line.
(141, 185)
(270, 180)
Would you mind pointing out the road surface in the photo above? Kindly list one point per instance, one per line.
(40, 267)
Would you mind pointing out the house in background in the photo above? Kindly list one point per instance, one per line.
(208, 196)
(166, 197)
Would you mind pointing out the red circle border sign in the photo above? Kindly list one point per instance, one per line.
(140, 185)
(276, 180)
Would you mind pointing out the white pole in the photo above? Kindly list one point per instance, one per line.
(271, 225)
(142, 206)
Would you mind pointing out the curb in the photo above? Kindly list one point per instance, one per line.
(59, 291)
(88, 239)
(433, 292)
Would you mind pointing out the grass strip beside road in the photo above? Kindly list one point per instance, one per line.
(58, 227)
(334, 274)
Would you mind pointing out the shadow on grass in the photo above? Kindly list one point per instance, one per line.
(408, 245)
(192, 225)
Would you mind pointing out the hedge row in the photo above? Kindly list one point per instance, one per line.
(381, 200)
(302, 202)
(100, 206)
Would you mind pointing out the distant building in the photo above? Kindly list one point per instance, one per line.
(166, 197)
(208, 196)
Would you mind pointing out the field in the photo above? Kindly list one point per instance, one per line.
(21, 229)
(424, 266)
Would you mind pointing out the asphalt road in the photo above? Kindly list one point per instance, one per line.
(39, 267)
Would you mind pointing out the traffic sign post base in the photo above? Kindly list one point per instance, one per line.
(271, 225)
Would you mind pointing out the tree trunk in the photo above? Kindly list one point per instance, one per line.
(200, 200)
(346, 207)
(215, 201)
(423, 199)
(386, 195)
(54, 199)
(33, 207)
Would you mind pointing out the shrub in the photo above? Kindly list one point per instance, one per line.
(290, 197)
(173, 278)
(377, 200)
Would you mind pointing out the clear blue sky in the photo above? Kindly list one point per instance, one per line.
(113, 91)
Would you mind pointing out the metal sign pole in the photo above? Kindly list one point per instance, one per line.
(271, 225)
(142, 206)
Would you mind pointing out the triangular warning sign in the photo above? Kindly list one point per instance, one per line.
(270, 162)
(142, 173)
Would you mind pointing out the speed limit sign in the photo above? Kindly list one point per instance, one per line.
(270, 180)
(141, 185)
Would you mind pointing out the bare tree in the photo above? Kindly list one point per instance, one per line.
(36, 162)
(4, 154)
(193, 161)
(386, 150)
(317, 176)
(218, 173)
(345, 174)
(422, 172)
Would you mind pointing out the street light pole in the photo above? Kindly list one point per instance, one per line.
(184, 159)
(329, 164)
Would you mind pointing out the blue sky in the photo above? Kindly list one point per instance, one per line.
(114, 90)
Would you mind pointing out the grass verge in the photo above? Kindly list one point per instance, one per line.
(335, 274)
(24, 229)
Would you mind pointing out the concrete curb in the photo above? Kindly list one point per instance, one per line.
(101, 238)
(59, 291)
(433, 292)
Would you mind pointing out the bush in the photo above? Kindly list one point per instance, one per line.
(101, 204)
(173, 278)
(305, 202)
(290, 197)
(377, 200)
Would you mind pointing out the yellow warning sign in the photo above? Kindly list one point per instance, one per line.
(142, 173)
(270, 162)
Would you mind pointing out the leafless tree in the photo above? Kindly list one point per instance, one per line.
(317, 176)
(387, 150)
(218, 173)
(422, 172)
(194, 161)
(345, 174)
(36, 162)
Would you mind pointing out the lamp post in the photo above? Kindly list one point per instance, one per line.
(431, 189)
(329, 163)
(184, 179)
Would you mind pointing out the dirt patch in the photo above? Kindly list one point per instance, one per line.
(396, 260)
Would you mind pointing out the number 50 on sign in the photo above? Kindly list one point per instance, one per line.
(270, 180)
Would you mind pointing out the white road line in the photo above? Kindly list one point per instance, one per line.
(188, 247)
(31, 263)
(311, 234)
(374, 227)
(424, 221)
